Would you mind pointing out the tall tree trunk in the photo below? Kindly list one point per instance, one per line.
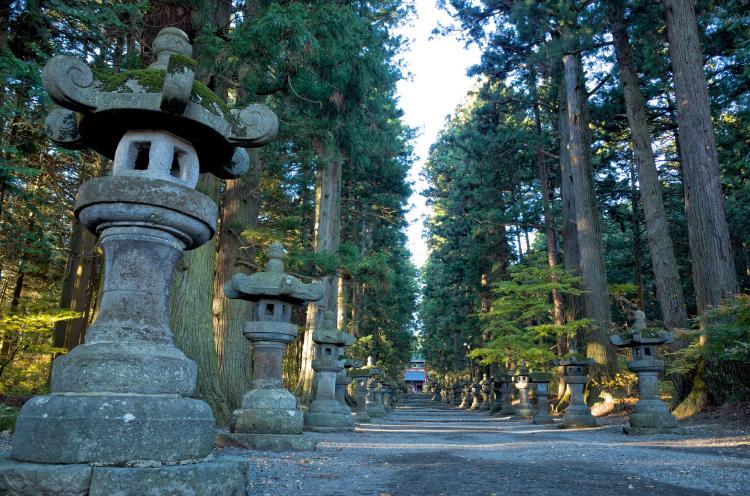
(191, 297)
(708, 234)
(571, 256)
(549, 230)
(240, 210)
(596, 298)
(663, 262)
(326, 240)
(635, 227)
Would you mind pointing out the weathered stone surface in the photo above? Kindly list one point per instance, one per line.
(125, 368)
(142, 201)
(112, 429)
(36, 479)
(523, 409)
(541, 386)
(272, 442)
(224, 476)
(574, 374)
(651, 414)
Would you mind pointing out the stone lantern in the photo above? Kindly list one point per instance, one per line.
(524, 409)
(456, 391)
(541, 382)
(497, 393)
(121, 416)
(325, 413)
(651, 415)
(376, 408)
(465, 394)
(361, 377)
(374, 400)
(270, 417)
(388, 396)
(574, 368)
(486, 387)
(506, 386)
(342, 378)
(436, 387)
(476, 394)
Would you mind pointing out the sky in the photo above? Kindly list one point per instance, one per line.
(438, 84)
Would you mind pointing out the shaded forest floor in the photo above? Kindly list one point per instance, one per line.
(424, 448)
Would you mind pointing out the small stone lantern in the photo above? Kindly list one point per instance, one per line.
(541, 382)
(325, 413)
(486, 386)
(436, 387)
(361, 377)
(651, 415)
(376, 408)
(374, 390)
(270, 417)
(456, 392)
(126, 396)
(342, 379)
(524, 409)
(476, 394)
(506, 385)
(465, 395)
(574, 370)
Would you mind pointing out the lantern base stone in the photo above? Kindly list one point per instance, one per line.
(223, 476)
(272, 442)
(113, 429)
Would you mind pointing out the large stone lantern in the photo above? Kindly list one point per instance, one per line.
(574, 370)
(121, 417)
(651, 415)
(270, 417)
(325, 413)
(524, 408)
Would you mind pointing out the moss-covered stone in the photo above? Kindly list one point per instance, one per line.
(178, 62)
(151, 80)
(203, 96)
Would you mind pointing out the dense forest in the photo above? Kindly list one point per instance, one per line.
(599, 167)
(331, 187)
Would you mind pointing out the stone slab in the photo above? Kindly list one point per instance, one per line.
(271, 442)
(38, 479)
(113, 429)
(223, 476)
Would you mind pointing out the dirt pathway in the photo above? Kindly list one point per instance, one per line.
(424, 448)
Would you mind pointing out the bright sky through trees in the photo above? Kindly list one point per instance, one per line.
(439, 83)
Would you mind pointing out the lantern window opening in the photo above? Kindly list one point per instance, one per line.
(143, 155)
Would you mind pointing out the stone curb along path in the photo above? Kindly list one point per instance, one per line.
(426, 448)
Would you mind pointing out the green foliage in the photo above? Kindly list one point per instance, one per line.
(8, 416)
(27, 349)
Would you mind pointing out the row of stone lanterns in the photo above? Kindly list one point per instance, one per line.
(651, 414)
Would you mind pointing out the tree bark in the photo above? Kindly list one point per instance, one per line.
(596, 298)
(191, 297)
(549, 230)
(571, 256)
(326, 240)
(663, 262)
(708, 234)
(240, 210)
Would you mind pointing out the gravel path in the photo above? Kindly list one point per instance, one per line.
(424, 448)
